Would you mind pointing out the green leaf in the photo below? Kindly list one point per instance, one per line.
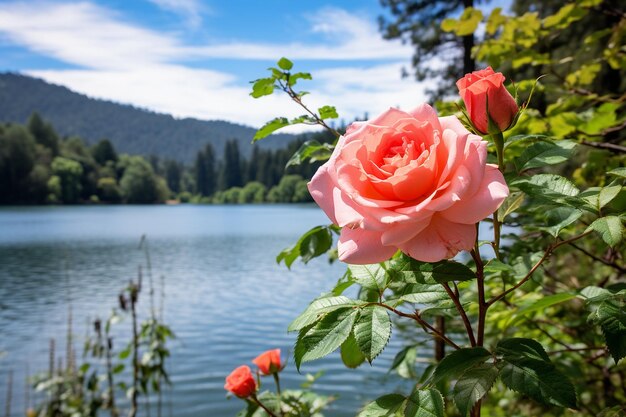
(327, 112)
(389, 405)
(549, 188)
(608, 193)
(424, 403)
(321, 306)
(293, 79)
(311, 151)
(611, 316)
(270, 127)
(404, 362)
(527, 369)
(510, 204)
(351, 355)
(558, 218)
(285, 64)
(618, 172)
(473, 385)
(422, 294)
(262, 87)
(125, 353)
(312, 244)
(372, 331)
(610, 228)
(541, 305)
(409, 270)
(118, 368)
(545, 153)
(325, 336)
(371, 277)
(459, 361)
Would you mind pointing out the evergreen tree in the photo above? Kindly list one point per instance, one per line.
(43, 133)
(173, 175)
(103, 151)
(231, 167)
(204, 171)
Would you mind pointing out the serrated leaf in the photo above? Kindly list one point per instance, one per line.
(527, 369)
(327, 112)
(409, 270)
(608, 193)
(311, 151)
(389, 405)
(611, 316)
(610, 228)
(372, 331)
(321, 306)
(270, 127)
(473, 385)
(351, 355)
(541, 305)
(459, 361)
(539, 380)
(544, 153)
(325, 336)
(404, 362)
(313, 243)
(371, 277)
(424, 403)
(422, 293)
(284, 64)
(550, 188)
(524, 138)
(559, 218)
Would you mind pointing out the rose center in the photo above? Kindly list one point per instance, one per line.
(401, 153)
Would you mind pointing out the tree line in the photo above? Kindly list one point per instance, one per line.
(37, 166)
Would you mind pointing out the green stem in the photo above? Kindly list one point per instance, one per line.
(260, 404)
(277, 380)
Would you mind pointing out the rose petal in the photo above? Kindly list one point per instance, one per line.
(491, 193)
(442, 239)
(360, 247)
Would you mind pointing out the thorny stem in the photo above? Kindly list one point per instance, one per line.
(416, 316)
(545, 256)
(295, 97)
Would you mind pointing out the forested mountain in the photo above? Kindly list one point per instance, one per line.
(130, 129)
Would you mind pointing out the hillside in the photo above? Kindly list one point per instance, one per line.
(130, 129)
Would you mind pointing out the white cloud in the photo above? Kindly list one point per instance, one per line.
(120, 61)
(190, 10)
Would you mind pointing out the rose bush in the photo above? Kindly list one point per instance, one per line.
(268, 362)
(410, 181)
(241, 382)
(485, 96)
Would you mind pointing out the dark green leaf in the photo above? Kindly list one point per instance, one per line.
(422, 294)
(459, 361)
(545, 153)
(118, 368)
(519, 348)
(541, 305)
(389, 405)
(473, 385)
(424, 403)
(270, 127)
(351, 355)
(325, 336)
(313, 243)
(611, 316)
(404, 362)
(409, 270)
(549, 188)
(558, 218)
(510, 204)
(321, 306)
(372, 331)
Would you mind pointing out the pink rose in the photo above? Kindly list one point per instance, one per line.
(484, 90)
(408, 181)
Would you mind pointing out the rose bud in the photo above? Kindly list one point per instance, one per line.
(486, 99)
(241, 382)
(268, 362)
(411, 181)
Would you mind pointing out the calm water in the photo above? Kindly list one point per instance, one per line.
(225, 297)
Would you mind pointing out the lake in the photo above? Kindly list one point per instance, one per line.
(225, 297)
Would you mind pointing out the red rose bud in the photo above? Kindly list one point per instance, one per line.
(487, 99)
(241, 382)
(268, 362)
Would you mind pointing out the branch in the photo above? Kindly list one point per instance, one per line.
(545, 256)
(604, 145)
(597, 258)
(415, 316)
(461, 310)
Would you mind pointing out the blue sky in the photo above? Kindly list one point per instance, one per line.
(195, 58)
